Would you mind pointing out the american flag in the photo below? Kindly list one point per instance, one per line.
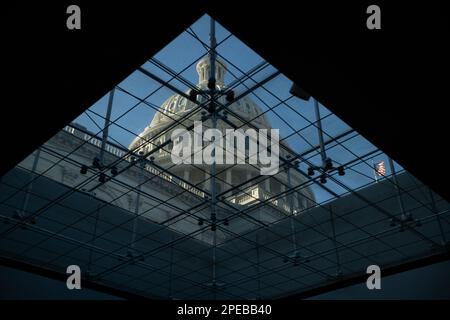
(380, 169)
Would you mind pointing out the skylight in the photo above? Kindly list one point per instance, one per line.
(141, 224)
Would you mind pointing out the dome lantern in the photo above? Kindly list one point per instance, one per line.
(203, 69)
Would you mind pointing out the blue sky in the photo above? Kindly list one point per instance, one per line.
(185, 50)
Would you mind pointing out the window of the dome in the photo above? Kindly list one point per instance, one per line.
(131, 219)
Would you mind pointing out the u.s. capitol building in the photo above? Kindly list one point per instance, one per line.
(181, 187)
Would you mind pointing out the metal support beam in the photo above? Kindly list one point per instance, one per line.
(358, 279)
(338, 261)
(323, 155)
(212, 80)
(291, 218)
(136, 208)
(106, 126)
(396, 185)
(62, 276)
(438, 218)
(171, 271)
(21, 214)
(336, 138)
(94, 236)
(163, 83)
(257, 264)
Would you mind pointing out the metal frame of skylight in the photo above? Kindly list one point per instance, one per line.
(292, 189)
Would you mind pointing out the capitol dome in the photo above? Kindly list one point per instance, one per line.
(180, 112)
(176, 106)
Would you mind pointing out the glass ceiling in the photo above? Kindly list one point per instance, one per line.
(146, 226)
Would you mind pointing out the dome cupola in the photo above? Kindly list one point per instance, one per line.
(204, 69)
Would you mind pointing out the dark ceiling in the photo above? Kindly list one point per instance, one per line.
(388, 84)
